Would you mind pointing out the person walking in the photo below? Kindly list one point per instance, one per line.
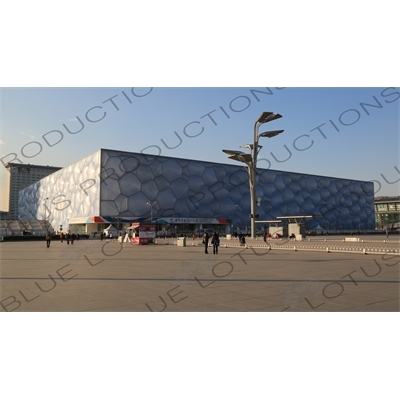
(206, 238)
(48, 239)
(215, 242)
(73, 237)
(61, 237)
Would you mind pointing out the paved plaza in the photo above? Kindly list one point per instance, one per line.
(92, 275)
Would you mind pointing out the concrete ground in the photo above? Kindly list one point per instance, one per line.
(91, 275)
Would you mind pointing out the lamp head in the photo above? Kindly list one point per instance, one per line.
(232, 152)
(267, 116)
(270, 134)
(239, 156)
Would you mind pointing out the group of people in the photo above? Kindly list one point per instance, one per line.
(109, 235)
(214, 241)
(63, 236)
(69, 237)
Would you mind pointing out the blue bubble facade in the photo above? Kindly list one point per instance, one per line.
(111, 183)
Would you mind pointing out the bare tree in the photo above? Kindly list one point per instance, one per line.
(5, 224)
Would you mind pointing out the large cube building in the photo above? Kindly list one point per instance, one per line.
(111, 186)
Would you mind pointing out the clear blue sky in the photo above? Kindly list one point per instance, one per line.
(366, 146)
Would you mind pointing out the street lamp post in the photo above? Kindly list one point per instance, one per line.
(251, 160)
(231, 211)
(119, 227)
(46, 224)
(151, 210)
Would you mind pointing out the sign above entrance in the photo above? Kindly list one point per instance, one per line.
(215, 221)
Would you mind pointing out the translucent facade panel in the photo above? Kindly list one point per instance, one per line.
(129, 184)
(172, 169)
(180, 188)
(121, 203)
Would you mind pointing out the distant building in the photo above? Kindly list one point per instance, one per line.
(21, 176)
(387, 212)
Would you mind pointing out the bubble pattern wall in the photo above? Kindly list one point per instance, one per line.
(111, 183)
(73, 191)
(197, 189)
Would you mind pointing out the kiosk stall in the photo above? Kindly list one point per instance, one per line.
(142, 232)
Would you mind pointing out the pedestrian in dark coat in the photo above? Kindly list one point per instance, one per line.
(206, 238)
(215, 242)
(48, 239)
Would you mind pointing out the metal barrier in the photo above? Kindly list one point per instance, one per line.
(324, 248)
